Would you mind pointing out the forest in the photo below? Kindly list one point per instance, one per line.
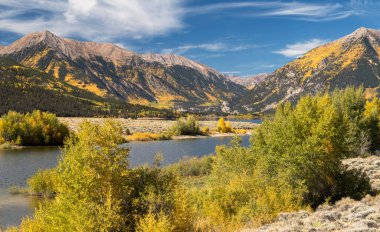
(25, 89)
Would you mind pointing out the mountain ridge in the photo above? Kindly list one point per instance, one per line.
(111, 71)
(75, 49)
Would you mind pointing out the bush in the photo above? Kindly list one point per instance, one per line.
(191, 166)
(350, 104)
(305, 145)
(37, 128)
(224, 127)
(186, 126)
(205, 130)
(44, 183)
(239, 193)
(372, 121)
(153, 223)
(97, 191)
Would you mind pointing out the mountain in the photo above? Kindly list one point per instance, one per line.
(24, 89)
(110, 71)
(249, 82)
(352, 60)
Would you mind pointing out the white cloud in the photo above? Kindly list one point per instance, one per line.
(300, 48)
(112, 20)
(100, 20)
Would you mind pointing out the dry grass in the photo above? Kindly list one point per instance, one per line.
(146, 136)
(151, 125)
(240, 131)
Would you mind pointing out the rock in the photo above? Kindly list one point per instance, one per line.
(345, 215)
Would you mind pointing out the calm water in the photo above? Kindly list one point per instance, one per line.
(253, 120)
(16, 166)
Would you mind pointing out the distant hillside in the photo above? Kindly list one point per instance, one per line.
(351, 60)
(249, 82)
(110, 71)
(24, 89)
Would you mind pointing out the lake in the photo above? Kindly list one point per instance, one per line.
(16, 166)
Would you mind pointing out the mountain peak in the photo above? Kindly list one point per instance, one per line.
(361, 34)
(172, 59)
(32, 40)
(364, 32)
(68, 47)
(46, 34)
(361, 31)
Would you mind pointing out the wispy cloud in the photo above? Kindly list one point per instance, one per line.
(184, 48)
(369, 7)
(213, 47)
(308, 11)
(300, 48)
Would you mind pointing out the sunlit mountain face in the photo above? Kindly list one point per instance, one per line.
(110, 71)
(350, 61)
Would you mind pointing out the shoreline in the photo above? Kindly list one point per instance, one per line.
(147, 125)
(178, 137)
(151, 125)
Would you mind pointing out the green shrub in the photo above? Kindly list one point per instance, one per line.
(239, 192)
(186, 126)
(44, 183)
(191, 166)
(372, 120)
(350, 104)
(154, 223)
(37, 128)
(305, 145)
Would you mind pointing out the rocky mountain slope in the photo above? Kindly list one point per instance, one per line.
(351, 60)
(249, 82)
(345, 215)
(111, 71)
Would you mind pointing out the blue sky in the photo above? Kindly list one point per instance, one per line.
(241, 38)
